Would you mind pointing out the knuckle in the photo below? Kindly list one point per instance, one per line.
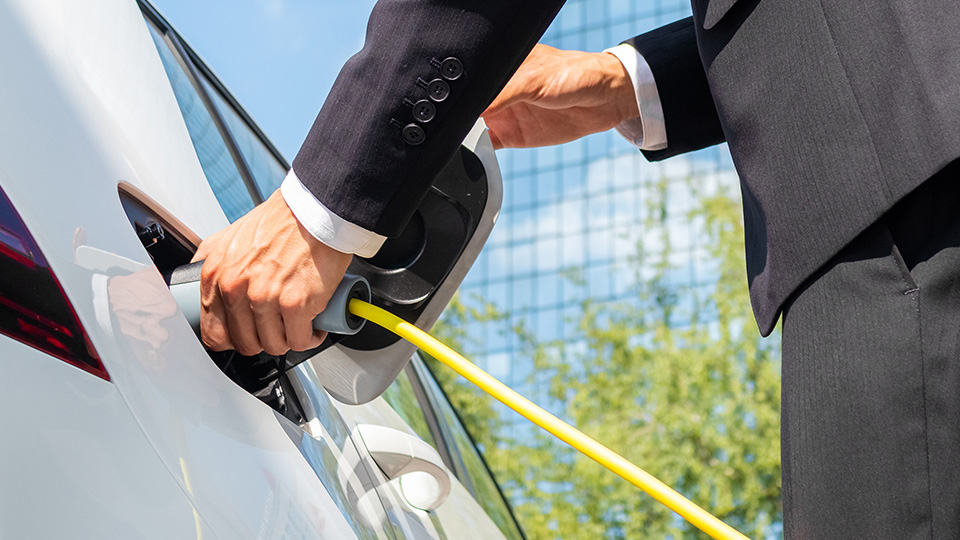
(300, 342)
(214, 338)
(233, 289)
(220, 347)
(292, 303)
(317, 304)
(259, 300)
(208, 271)
(262, 298)
(275, 349)
(299, 345)
(249, 349)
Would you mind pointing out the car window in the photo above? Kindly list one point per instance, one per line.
(215, 159)
(267, 172)
(468, 464)
(402, 397)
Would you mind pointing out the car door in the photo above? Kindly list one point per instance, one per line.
(415, 412)
(389, 469)
(241, 168)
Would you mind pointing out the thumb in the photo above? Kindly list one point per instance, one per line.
(202, 251)
(497, 143)
(529, 81)
(514, 92)
(207, 245)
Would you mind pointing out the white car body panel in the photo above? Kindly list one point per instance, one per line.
(169, 447)
(460, 516)
(200, 424)
(90, 472)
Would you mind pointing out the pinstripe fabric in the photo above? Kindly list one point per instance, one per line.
(871, 380)
(833, 111)
(354, 159)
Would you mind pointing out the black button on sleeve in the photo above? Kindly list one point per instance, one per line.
(413, 134)
(451, 69)
(424, 111)
(438, 90)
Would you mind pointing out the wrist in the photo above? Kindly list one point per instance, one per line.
(620, 86)
(324, 225)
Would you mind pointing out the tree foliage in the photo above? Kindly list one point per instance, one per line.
(676, 381)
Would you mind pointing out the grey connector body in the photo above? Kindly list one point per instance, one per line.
(336, 319)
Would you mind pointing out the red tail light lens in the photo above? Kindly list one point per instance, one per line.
(33, 306)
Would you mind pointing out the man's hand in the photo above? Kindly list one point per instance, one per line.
(557, 96)
(264, 280)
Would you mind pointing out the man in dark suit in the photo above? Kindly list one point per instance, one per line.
(843, 120)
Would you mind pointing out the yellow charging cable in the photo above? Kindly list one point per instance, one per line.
(699, 517)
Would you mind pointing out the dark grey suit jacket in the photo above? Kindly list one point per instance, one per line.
(356, 159)
(833, 110)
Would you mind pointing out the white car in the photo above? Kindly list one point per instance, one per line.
(119, 150)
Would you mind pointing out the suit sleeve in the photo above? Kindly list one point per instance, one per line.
(401, 106)
(689, 113)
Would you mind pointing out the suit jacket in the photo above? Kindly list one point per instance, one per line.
(360, 158)
(833, 110)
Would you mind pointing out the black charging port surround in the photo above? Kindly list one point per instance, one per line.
(408, 269)
(413, 276)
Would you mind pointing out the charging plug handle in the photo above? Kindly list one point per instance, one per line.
(336, 318)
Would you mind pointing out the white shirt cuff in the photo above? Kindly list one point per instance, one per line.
(647, 132)
(326, 226)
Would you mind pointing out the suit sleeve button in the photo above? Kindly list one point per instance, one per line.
(438, 90)
(451, 69)
(413, 134)
(424, 111)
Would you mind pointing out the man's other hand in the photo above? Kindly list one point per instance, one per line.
(263, 281)
(558, 96)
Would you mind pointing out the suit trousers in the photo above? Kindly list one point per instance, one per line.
(871, 380)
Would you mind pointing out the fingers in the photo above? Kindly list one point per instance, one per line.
(298, 323)
(513, 92)
(495, 139)
(270, 332)
(528, 82)
(301, 335)
(213, 317)
(263, 281)
(241, 322)
(213, 323)
(207, 246)
(558, 96)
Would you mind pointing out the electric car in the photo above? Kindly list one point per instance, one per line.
(119, 151)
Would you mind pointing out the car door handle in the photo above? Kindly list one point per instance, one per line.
(424, 480)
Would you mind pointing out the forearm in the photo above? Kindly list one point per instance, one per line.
(356, 160)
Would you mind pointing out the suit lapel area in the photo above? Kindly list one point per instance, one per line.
(713, 11)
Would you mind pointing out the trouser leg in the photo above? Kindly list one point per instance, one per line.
(871, 415)
(927, 229)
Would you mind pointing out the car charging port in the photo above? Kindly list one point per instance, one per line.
(170, 246)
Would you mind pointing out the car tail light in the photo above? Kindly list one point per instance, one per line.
(33, 306)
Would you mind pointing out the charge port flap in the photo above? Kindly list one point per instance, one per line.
(416, 274)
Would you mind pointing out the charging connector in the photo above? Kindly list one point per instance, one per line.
(336, 318)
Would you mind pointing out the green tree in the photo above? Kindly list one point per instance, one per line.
(677, 382)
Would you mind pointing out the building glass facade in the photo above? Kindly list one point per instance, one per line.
(573, 215)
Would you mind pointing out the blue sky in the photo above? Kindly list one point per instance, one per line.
(278, 57)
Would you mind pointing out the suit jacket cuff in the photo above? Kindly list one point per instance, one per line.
(690, 116)
(326, 226)
(647, 131)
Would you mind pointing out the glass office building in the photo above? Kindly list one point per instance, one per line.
(573, 214)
